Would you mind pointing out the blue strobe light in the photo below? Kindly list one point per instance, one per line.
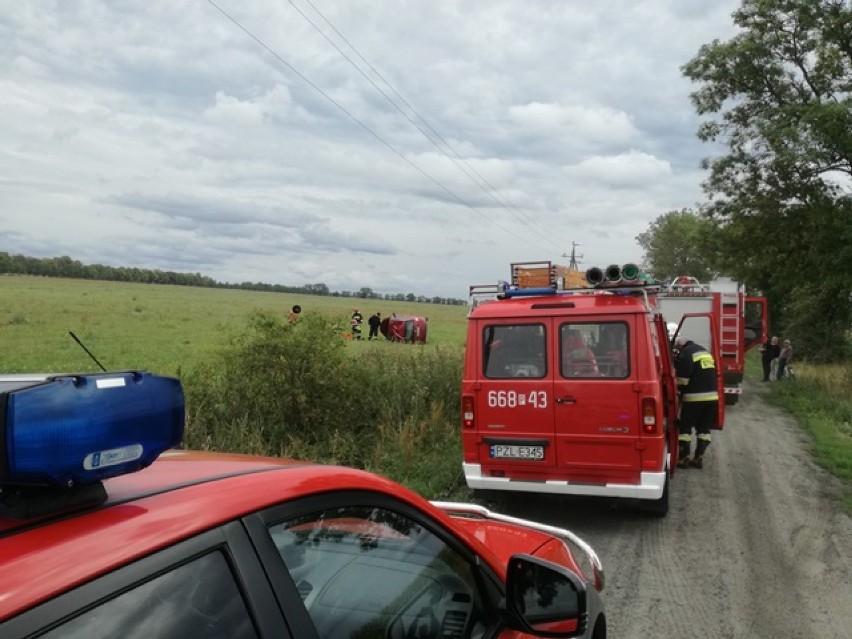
(68, 430)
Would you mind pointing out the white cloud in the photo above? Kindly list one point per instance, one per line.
(573, 123)
(447, 140)
(627, 170)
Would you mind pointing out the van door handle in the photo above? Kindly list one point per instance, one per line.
(566, 400)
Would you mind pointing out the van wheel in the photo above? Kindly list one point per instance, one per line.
(658, 507)
(731, 399)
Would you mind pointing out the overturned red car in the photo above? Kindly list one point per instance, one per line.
(404, 328)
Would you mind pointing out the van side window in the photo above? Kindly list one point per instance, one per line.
(510, 351)
(594, 350)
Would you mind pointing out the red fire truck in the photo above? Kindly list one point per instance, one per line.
(741, 321)
(572, 391)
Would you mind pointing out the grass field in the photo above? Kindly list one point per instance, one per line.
(163, 329)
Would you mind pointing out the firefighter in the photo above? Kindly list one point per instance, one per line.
(293, 317)
(696, 380)
(355, 323)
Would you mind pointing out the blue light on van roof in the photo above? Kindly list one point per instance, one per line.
(66, 430)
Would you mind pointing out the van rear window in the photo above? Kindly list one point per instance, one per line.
(512, 351)
(594, 349)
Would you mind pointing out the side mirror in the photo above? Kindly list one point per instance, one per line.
(544, 599)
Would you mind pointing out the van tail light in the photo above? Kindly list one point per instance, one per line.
(649, 415)
(467, 411)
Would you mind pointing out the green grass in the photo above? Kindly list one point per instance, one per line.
(163, 329)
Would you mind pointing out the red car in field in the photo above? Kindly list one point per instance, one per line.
(124, 535)
(404, 328)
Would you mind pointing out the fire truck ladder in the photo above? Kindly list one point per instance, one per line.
(731, 326)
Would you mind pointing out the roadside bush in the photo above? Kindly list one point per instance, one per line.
(273, 386)
(302, 391)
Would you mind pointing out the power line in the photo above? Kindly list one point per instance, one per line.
(367, 128)
(479, 180)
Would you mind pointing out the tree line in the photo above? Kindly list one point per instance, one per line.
(64, 266)
(778, 209)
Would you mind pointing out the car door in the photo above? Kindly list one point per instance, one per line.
(350, 564)
(209, 586)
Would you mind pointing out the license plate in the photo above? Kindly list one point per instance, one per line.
(505, 451)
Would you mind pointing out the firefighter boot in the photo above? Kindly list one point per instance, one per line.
(683, 454)
(700, 449)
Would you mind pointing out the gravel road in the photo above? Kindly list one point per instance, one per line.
(754, 546)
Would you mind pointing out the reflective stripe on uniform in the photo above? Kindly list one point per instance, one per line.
(704, 357)
(704, 437)
(709, 396)
(684, 438)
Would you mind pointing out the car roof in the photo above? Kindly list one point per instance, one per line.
(597, 302)
(180, 495)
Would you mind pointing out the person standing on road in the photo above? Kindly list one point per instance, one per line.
(696, 380)
(374, 322)
(769, 354)
(784, 358)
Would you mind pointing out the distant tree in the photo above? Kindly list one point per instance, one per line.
(64, 266)
(680, 243)
(316, 289)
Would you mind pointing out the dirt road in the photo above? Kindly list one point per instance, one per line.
(754, 545)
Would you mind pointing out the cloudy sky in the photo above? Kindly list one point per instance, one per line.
(402, 145)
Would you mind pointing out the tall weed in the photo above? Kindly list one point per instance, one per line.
(302, 391)
(283, 383)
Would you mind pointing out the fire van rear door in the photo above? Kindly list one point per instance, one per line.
(704, 324)
(598, 405)
(514, 400)
(755, 328)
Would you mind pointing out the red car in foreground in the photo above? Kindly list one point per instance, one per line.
(197, 544)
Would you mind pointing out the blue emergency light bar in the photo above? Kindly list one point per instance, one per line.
(72, 429)
(529, 292)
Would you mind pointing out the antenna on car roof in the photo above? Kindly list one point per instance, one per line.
(88, 352)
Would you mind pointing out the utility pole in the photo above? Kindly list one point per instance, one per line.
(573, 263)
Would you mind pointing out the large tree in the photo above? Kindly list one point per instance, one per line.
(779, 96)
(680, 243)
